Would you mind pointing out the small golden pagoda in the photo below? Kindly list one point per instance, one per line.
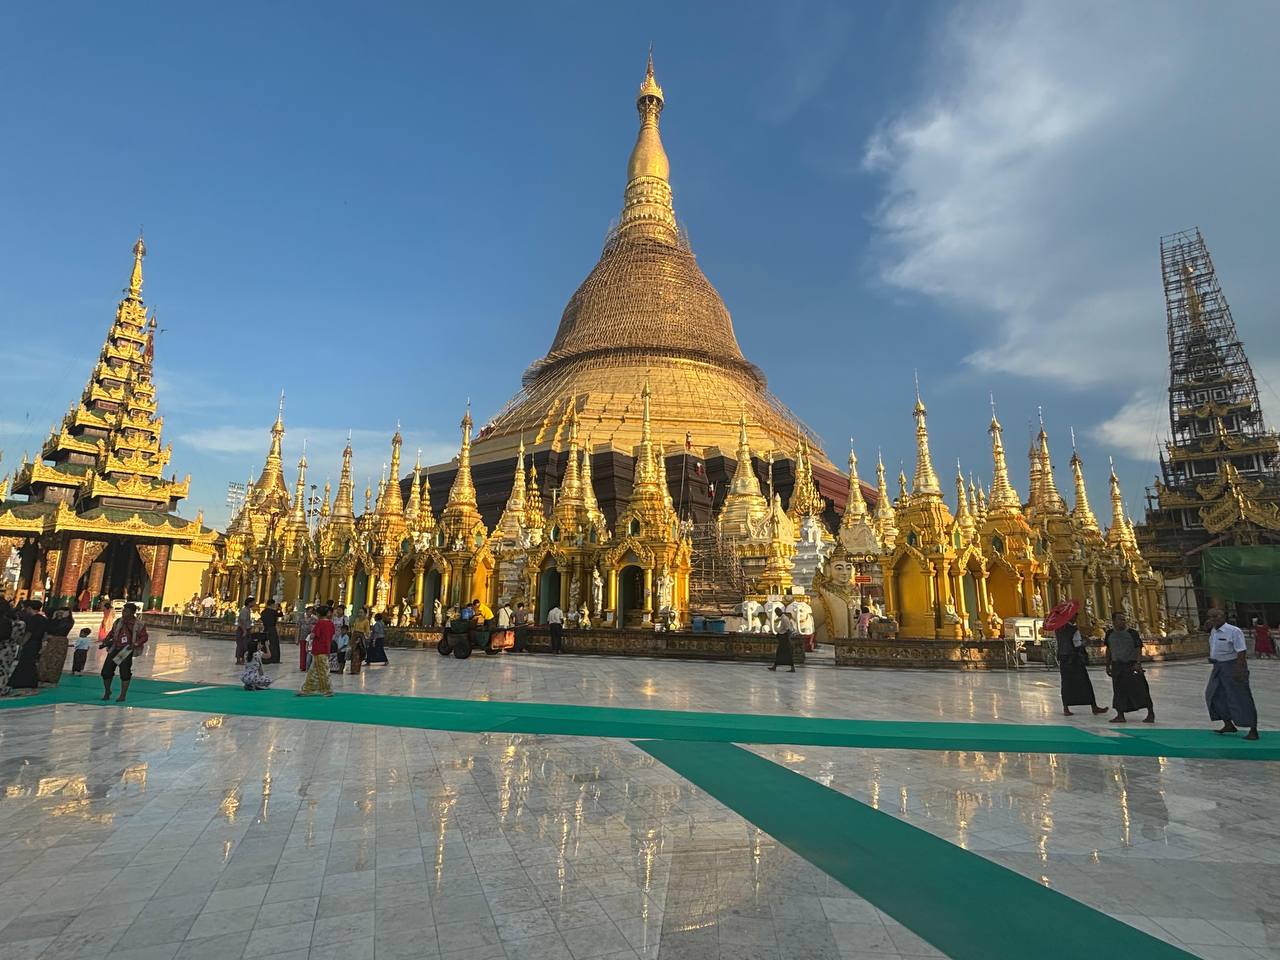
(1008, 541)
(94, 512)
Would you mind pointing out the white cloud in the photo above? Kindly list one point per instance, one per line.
(1139, 428)
(1052, 146)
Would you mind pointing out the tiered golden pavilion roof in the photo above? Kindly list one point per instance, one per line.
(646, 312)
(102, 468)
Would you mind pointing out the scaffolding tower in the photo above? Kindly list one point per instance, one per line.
(1216, 426)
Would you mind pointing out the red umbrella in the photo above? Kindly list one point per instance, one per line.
(1061, 615)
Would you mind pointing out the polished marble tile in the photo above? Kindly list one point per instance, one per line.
(271, 838)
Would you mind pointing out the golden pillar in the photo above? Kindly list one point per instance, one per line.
(648, 591)
(612, 601)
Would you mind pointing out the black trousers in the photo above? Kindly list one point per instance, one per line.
(109, 667)
(78, 659)
(557, 637)
(273, 647)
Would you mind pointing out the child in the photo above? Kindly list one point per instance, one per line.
(342, 641)
(82, 651)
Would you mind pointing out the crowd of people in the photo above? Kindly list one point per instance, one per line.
(34, 645)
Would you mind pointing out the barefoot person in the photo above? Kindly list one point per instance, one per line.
(1128, 681)
(1073, 664)
(1228, 695)
(317, 680)
(127, 638)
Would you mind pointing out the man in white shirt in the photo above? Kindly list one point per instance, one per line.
(1228, 695)
(555, 620)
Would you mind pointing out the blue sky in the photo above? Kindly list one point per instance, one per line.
(383, 209)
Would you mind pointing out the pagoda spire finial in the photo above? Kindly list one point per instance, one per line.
(1004, 498)
(1050, 499)
(344, 502)
(391, 502)
(463, 492)
(135, 277)
(925, 482)
(1120, 533)
(646, 207)
(1082, 513)
(855, 506)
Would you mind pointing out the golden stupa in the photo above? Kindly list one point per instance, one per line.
(646, 313)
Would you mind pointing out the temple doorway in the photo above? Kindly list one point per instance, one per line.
(430, 594)
(970, 589)
(124, 576)
(359, 590)
(548, 592)
(630, 596)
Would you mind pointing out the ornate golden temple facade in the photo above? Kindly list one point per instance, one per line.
(94, 510)
(580, 506)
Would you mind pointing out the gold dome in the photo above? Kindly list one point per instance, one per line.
(646, 312)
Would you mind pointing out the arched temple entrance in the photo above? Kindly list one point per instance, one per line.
(548, 591)
(630, 596)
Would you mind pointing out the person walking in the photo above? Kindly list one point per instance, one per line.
(1073, 665)
(53, 656)
(26, 673)
(1228, 695)
(1128, 680)
(360, 628)
(127, 639)
(317, 681)
(520, 620)
(782, 653)
(244, 628)
(555, 621)
(108, 619)
(1263, 646)
(83, 642)
(305, 623)
(377, 652)
(13, 634)
(270, 633)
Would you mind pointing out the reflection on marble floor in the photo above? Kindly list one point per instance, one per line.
(155, 834)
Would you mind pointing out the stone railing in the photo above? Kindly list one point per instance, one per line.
(620, 643)
(937, 654)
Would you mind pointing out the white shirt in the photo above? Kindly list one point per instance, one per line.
(1226, 642)
(555, 616)
(504, 617)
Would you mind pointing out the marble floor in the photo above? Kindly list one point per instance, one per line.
(137, 834)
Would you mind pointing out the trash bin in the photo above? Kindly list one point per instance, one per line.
(714, 624)
(698, 623)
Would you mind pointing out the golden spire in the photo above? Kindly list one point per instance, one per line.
(805, 499)
(390, 501)
(589, 502)
(1004, 498)
(964, 517)
(902, 485)
(925, 483)
(324, 504)
(855, 507)
(534, 519)
(414, 503)
(973, 500)
(463, 491)
(512, 522)
(135, 277)
(519, 479)
(298, 515)
(1082, 513)
(745, 504)
(344, 508)
(1035, 493)
(1050, 499)
(1120, 533)
(368, 496)
(571, 482)
(645, 470)
(646, 206)
(1194, 310)
(271, 486)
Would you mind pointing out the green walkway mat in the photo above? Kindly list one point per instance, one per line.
(481, 716)
(964, 905)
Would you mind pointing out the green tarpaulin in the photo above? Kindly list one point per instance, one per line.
(1246, 574)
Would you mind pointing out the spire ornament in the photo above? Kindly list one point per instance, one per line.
(1004, 499)
(855, 507)
(925, 484)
